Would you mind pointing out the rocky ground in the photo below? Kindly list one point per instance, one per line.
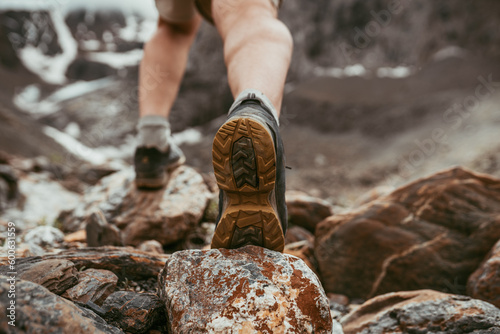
(393, 192)
(421, 259)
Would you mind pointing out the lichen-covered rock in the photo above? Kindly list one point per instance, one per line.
(484, 283)
(55, 275)
(246, 290)
(37, 310)
(432, 233)
(133, 312)
(423, 311)
(94, 285)
(306, 211)
(166, 215)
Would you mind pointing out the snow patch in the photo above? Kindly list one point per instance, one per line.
(359, 70)
(38, 206)
(189, 136)
(356, 70)
(95, 156)
(29, 101)
(51, 69)
(117, 60)
(393, 72)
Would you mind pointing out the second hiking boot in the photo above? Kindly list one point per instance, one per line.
(156, 154)
(249, 166)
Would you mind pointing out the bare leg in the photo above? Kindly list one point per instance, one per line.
(163, 65)
(257, 46)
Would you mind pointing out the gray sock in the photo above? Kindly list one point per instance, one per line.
(153, 131)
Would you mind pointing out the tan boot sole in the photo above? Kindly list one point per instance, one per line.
(244, 163)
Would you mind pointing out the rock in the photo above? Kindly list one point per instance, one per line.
(338, 299)
(423, 311)
(296, 234)
(151, 246)
(125, 262)
(133, 312)
(373, 194)
(339, 306)
(40, 311)
(44, 236)
(200, 238)
(100, 233)
(9, 189)
(55, 275)
(432, 233)
(484, 283)
(94, 285)
(78, 236)
(306, 211)
(84, 69)
(166, 215)
(250, 289)
(304, 250)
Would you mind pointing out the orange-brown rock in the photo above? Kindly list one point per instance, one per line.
(56, 275)
(296, 234)
(484, 283)
(133, 312)
(94, 285)
(125, 262)
(37, 310)
(306, 211)
(166, 215)
(432, 233)
(246, 290)
(422, 311)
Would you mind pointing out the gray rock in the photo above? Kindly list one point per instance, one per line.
(94, 285)
(151, 246)
(100, 233)
(133, 312)
(40, 311)
(44, 236)
(9, 189)
(55, 275)
(166, 215)
(250, 289)
(423, 311)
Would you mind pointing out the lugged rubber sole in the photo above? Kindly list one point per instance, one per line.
(244, 163)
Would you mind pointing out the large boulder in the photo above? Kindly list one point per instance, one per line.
(306, 211)
(432, 233)
(37, 310)
(423, 311)
(250, 289)
(166, 215)
(484, 283)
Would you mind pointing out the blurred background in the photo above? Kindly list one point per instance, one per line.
(379, 93)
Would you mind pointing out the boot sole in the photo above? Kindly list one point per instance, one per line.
(244, 161)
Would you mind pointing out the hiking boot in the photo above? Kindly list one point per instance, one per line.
(249, 166)
(156, 155)
(152, 166)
